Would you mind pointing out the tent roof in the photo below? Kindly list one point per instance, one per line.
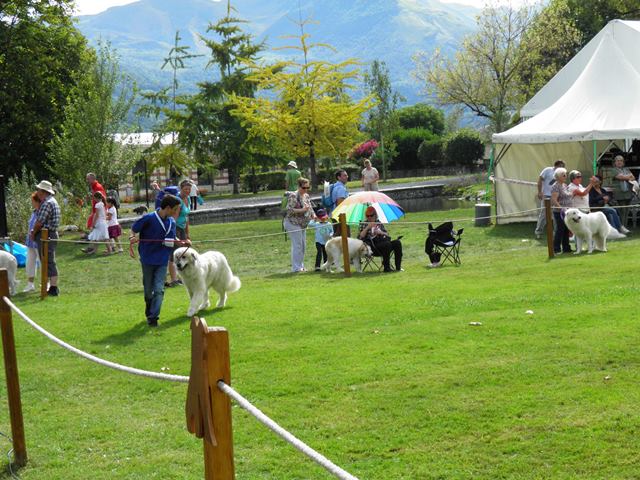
(593, 97)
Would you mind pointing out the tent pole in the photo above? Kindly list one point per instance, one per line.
(491, 156)
(595, 158)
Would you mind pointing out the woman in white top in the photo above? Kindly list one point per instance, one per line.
(370, 176)
(579, 194)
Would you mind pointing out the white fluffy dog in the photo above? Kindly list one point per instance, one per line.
(200, 272)
(9, 262)
(590, 228)
(357, 249)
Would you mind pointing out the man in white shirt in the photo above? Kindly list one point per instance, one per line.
(544, 192)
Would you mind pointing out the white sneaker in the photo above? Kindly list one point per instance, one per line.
(624, 230)
(29, 288)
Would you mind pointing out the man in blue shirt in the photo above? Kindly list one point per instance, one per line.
(157, 232)
(340, 192)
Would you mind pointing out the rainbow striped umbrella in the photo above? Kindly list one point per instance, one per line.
(355, 205)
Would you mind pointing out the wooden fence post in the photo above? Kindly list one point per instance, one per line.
(11, 372)
(208, 409)
(345, 244)
(549, 217)
(44, 262)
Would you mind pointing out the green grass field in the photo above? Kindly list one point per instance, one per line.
(382, 373)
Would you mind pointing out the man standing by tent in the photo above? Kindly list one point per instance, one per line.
(544, 192)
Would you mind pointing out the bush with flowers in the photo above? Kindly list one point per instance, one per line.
(364, 150)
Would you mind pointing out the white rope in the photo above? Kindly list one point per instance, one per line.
(285, 435)
(88, 356)
(494, 179)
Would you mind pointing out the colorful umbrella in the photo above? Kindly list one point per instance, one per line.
(355, 205)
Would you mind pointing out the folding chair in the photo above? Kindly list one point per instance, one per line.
(443, 244)
(374, 262)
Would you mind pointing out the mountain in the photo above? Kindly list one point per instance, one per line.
(388, 30)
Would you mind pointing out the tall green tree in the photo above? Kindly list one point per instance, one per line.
(166, 108)
(41, 55)
(381, 117)
(483, 75)
(307, 112)
(98, 110)
(590, 16)
(209, 129)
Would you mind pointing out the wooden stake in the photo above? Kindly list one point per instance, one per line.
(345, 244)
(44, 262)
(11, 372)
(549, 217)
(208, 409)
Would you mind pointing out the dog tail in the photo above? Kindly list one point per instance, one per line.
(234, 284)
(614, 234)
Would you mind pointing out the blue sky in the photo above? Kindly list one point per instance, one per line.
(90, 7)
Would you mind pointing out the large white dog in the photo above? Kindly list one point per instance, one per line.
(590, 228)
(9, 262)
(357, 249)
(200, 272)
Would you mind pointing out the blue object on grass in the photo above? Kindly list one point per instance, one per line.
(19, 251)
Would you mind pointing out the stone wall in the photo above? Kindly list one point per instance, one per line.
(412, 199)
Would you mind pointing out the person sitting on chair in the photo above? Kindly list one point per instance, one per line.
(373, 233)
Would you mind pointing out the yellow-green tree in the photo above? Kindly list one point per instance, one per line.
(308, 112)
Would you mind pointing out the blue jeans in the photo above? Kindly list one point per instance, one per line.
(612, 216)
(153, 283)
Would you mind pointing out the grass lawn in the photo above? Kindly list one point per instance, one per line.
(382, 373)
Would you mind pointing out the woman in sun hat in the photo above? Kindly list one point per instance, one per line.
(292, 176)
(48, 217)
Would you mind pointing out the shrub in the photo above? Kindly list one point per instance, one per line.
(364, 150)
(463, 148)
(431, 152)
(264, 180)
(407, 144)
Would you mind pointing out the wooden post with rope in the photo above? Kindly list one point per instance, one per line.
(549, 217)
(44, 262)
(11, 373)
(208, 409)
(345, 244)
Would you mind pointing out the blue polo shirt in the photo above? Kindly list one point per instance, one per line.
(153, 227)
(339, 191)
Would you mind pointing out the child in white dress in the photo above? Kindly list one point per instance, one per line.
(113, 226)
(100, 232)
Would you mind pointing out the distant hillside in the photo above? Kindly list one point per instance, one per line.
(388, 30)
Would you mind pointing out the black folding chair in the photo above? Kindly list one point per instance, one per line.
(374, 261)
(443, 244)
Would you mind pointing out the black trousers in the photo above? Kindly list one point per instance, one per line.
(321, 254)
(383, 248)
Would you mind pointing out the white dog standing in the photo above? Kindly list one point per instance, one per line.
(590, 228)
(200, 272)
(9, 262)
(357, 249)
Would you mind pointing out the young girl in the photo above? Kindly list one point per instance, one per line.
(32, 246)
(113, 226)
(100, 232)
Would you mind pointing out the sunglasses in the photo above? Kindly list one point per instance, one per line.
(371, 216)
(306, 188)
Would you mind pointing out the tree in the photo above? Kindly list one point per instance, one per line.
(590, 16)
(41, 54)
(164, 105)
(97, 111)
(483, 75)
(381, 117)
(550, 42)
(422, 115)
(209, 127)
(308, 113)
(408, 141)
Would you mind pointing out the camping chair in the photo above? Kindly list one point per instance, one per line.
(374, 261)
(443, 243)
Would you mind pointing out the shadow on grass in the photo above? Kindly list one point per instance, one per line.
(9, 470)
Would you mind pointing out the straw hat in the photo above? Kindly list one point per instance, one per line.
(46, 186)
(292, 164)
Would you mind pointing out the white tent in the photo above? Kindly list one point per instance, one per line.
(590, 102)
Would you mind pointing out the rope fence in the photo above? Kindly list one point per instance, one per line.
(221, 385)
